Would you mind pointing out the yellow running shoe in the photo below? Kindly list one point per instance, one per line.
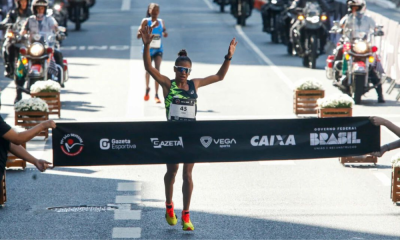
(170, 215)
(186, 223)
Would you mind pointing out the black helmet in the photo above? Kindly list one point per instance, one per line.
(39, 3)
(17, 3)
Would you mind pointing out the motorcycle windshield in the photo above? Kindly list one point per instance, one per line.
(357, 28)
(49, 38)
(312, 9)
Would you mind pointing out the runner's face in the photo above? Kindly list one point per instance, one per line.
(182, 75)
(23, 4)
(154, 12)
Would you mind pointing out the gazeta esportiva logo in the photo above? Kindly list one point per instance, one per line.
(71, 144)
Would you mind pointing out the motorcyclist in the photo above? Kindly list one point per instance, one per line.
(301, 4)
(265, 13)
(39, 22)
(358, 21)
(20, 11)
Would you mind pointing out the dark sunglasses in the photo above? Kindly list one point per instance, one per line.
(183, 69)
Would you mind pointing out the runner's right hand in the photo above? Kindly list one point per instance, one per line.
(147, 37)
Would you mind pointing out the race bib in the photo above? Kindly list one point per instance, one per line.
(156, 42)
(182, 110)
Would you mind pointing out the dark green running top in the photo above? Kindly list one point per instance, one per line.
(175, 97)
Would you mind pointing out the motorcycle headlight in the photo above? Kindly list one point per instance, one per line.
(274, 1)
(37, 49)
(314, 19)
(57, 7)
(360, 47)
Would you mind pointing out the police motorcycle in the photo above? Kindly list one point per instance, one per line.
(13, 37)
(273, 21)
(78, 11)
(58, 9)
(359, 52)
(222, 4)
(241, 9)
(310, 30)
(40, 64)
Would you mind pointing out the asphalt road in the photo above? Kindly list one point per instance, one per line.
(307, 199)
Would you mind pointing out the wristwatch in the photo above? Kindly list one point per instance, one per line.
(226, 58)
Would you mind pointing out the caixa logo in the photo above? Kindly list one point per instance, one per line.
(71, 144)
(332, 139)
(170, 143)
(283, 140)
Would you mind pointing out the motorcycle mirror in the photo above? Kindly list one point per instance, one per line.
(62, 29)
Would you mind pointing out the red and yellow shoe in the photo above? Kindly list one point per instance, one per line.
(170, 215)
(147, 96)
(186, 223)
(157, 99)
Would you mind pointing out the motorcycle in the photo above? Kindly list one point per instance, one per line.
(13, 37)
(359, 54)
(241, 9)
(59, 10)
(310, 30)
(334, 61)
(78, 12)
(40, 64)
(222, 4)
(273, 21)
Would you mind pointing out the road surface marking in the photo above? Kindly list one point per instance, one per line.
(133, 232)
(126, 5)
(128, 199)
(383, 178)
(210, 6)
(135, 104)
(268, 61)
(127, 214)
(129, 186)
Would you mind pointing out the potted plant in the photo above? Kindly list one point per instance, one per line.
(396, 179)
(49, 91)
(29, 112)
(305, 96)
(335, 106)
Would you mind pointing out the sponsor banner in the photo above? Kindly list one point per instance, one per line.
(124, 143)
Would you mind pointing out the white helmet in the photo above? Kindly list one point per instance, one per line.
(361, 4)
(39, 3)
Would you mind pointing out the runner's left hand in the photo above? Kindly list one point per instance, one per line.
(232, 47)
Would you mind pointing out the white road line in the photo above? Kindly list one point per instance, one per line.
(129, 186)
(268, 61)
(383, 178)
(135, 104)
(126, 5)
(128, 199)
(271, 163)
(119, 232)
(127, 214)
(210, 6)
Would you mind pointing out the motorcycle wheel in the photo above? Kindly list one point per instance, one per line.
(77, 18)
(274, 36)
(306, 61)
(241, 20)
(358, 87)
(314, 48)
(222, 6)
(290, 48)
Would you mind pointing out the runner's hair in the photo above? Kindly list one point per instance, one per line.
(151, 5)
(183, 57)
